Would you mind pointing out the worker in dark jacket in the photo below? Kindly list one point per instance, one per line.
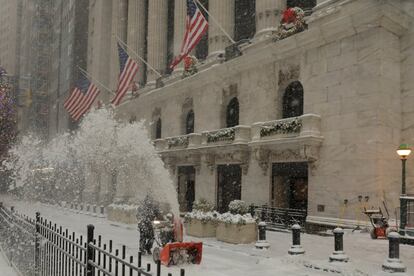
(147, 212)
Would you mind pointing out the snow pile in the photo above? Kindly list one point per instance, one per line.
(123, 207)
(236, 218)
(117, 157)
(204, 217)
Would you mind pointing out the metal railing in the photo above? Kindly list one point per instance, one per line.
(279, 218)
(41, 248)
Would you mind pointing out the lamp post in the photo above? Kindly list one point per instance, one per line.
(403, 151)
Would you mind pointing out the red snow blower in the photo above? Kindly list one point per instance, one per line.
(170, 252)
(379, 222)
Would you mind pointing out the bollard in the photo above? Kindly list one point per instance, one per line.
(76, 206)
(102, 211)
(393, 263)
(94, 209)
(296, 248)
(81, 209)
(261, 242)
(339, 255)
(12, 209)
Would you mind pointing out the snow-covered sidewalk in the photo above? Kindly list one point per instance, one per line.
(5, 268)
(222, 259)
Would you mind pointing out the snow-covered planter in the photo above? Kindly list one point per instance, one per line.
(202, 221)
(122, 213)
(236, 226)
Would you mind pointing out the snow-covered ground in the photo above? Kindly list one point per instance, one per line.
(222, 259)
(5, 268)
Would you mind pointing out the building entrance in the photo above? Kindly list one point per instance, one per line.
(186, 188)
(290, 185)
(229, 185)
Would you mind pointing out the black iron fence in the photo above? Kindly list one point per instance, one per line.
(279, 218)
(38, 247)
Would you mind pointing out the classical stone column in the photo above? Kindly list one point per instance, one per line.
(180, 15)
(136, 33)
(119, 29)
(223, 12)
(157, 38)
(268, 13)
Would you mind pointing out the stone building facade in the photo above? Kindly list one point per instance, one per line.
(308, 122)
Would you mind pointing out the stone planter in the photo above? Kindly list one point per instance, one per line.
(196, 228)
(122, 215)
(236, 233)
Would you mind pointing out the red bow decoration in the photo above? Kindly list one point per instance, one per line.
(188, 61)
(289, 16)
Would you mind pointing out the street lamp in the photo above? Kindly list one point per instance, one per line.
(403, 151)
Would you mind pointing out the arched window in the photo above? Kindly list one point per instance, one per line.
(293, 100)
(158, 129)
(189, 122)
(232, 115)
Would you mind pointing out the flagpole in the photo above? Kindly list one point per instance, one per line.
(140, 58)
(90, 76)
(215, 21)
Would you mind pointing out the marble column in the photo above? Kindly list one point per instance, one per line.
(268, 15)
(180, 15)
(137, 16)
(157, 38)
(119, 30)
(223, 12)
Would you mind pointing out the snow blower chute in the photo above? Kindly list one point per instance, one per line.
(172, 252)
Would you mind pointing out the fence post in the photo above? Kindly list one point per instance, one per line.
(89, 250)
(338, 255)
(261, 242)
(296, 248)
(37, 245)
(393, 262)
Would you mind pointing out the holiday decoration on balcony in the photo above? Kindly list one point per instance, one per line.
(293, 22)
(190, 68)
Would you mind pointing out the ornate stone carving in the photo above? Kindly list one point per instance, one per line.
(262, 157)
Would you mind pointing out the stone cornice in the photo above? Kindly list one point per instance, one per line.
(331, 21)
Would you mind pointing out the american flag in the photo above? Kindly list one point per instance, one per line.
(81, 98)
(196, 27)
(129, 69)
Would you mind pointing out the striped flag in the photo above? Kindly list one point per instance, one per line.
(129, 69)
(196, 27)
(81, 98)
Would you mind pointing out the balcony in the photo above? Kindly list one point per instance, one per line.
(278, 134)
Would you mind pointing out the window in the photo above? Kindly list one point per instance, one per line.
(158, 129)
(293, 100)
(245, 19)
(189, 123)
(232, 115)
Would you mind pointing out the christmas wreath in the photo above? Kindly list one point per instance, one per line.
(190, 66)
(293, 22)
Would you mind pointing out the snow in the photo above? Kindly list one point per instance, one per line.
(5, 267)
(221, 259)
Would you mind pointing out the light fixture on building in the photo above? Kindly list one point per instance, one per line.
(403, 151)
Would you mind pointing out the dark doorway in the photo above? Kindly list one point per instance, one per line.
(229, 185)
(290, 185)
(232, 114)
(293, 100)
(186, 188)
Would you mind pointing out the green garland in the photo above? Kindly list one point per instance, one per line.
(290, 126)
(226, 134)
(177, 141)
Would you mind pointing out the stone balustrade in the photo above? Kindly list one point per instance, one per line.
(308, 125)
(302, 126)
